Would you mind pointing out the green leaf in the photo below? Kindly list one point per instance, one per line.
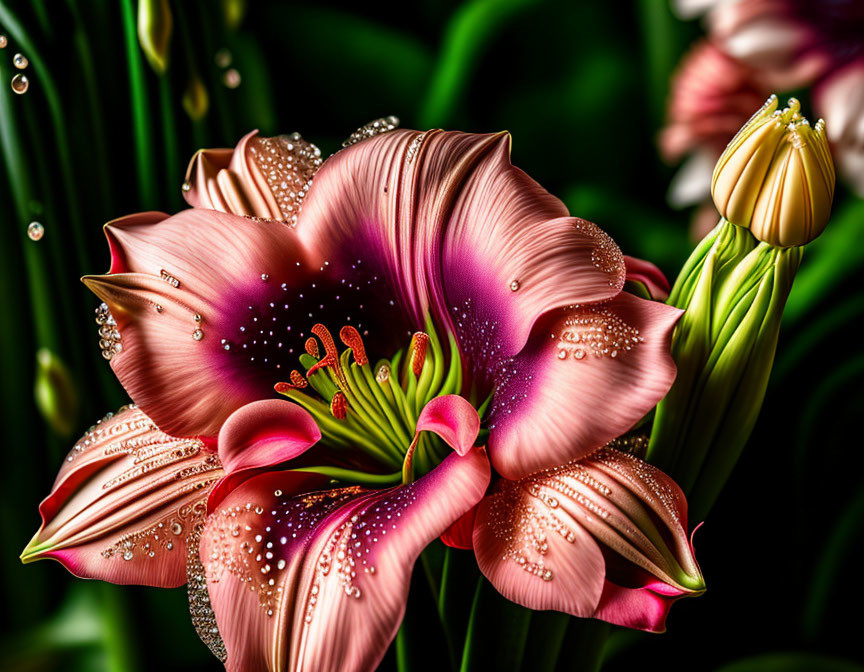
(497, 632)
(831, 259)
(845, 534)
(473, 27)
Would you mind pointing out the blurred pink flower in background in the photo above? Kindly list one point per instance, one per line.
(753, 49)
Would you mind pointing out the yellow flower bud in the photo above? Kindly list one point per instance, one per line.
(776, 177)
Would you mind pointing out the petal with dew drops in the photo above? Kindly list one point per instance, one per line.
(448, 220)
(602, 537)
(124, 501)
(588, 374)
(460, 534)
(259, 435)
(213, 310)
(260, 177)
(510, 253)
(320, 581)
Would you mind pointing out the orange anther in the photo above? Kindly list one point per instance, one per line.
(339, 406)
(351, 337)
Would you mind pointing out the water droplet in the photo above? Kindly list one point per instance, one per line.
(197, 334)
(20, 83)
(127, 555)
(20, 61)
(186, 186)
(3, 41)
(232, 79)
(158, 308)
(562, 354)
(35, 231)
(515, 285)
(265, 277)
(222, 58)
(196, 317)
(176, 529)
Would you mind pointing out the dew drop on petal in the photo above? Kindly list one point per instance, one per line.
(35, 231)
(20, 83)
(186, 186)
(20, 61)
(515, 285)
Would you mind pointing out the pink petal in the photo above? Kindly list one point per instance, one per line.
(454, 228)
(201, 176)
(460, 534)
(636, 608)
(646, 521)
(194, 293)
(261, 177)
(452, 418)
(124, 501)
(649, 276)
(603, 537)
(332, 591)
(535, 556)
(259, 435)
(587, 375)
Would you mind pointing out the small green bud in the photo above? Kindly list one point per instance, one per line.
(155, 25)
(196, 101)
(55, 394)
(233, 12)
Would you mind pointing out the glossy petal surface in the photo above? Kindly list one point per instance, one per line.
(124, 501)
(319, 581)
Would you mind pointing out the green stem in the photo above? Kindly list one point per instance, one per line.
(119, 647)
(142, 132)
(96, 117)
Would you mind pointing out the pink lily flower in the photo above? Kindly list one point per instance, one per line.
(523, 318)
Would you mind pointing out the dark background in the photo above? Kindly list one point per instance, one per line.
(582, 87)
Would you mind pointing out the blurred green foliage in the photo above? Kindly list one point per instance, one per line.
(582, 88)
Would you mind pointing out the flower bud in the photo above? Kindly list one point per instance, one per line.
(54, 393)
(776, 177)
(155, 25)
(233, 12)
(195, 100)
